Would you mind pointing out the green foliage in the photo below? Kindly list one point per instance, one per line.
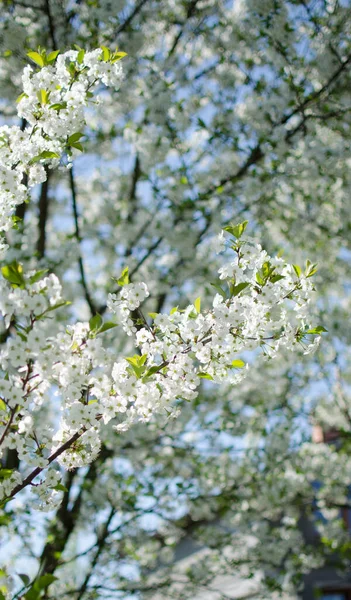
(43, 58)
(137, 363)
(197, 304)
(13, 273)
(123, 279)
(39, 587)
(236, 230)
(220, 290)
(205, 376)
(45, 155)
(95, 322)
(5, 474)
(317, 330)
(238, 364)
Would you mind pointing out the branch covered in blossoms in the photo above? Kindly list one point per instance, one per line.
(53, 103)
(261, 304)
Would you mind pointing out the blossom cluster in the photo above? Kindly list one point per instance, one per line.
(260, 304)
(52, 106)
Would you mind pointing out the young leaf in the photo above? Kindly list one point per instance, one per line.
(317, 330)
(13, 273)
(117, 56)
(297, 270)
(275, 278)
(95, 322)
(58, 106)
(218, 288)
(44, 155)
(236, 289)
(37, 58)
(260, 279)
(238, 364)
(5, 474)
(105, 53)
(236, 230)
(51, 57)
(78, 146)
(106, 326)
(75, 137)
(80, 56)
(43, 96)
(60, 488)
(124, 277)
(197, 305)
(205, 376)
(153, 370)
(37, 276)
(19, 98)
(25, 578)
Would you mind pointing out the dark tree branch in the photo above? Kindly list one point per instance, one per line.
(133, 14)
(43, 214)
(100, 546)
(83, 280)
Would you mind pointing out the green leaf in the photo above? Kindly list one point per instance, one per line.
(95, 322)
(37, 276)
(260, 279)
(105, 53)
(317, 330)
(37, 58)
(51, 308)
(205, 376)
(197, 305)
(13, 273)
(51, 57)
(43, 96)
(236, 230)
(5, 474)
(25, 578)
(2, 405)
(152, 371)
(117, 56)
(45, 580)
(218, 288)
(297, 270)
(44, 155)
(19, 98)
(75, 137)
(310, 269)
(124, 277)
(78, 146)
(137, 363)
(80, 56)
(39, 585)
(173, 310)
(275, 278)
(238, 364)
(60, 488)
(15, 221)
(108, 325)
(58, 106)
(153, 315)
(267, 269)
(236, 289)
